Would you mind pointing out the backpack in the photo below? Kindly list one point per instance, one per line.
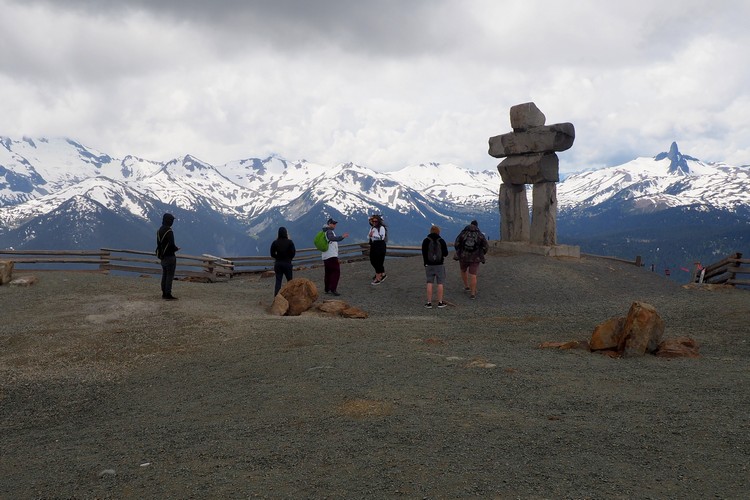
(321, 241)
(434, 252)
(471, 241)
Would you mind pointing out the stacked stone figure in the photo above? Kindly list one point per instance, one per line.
(530, 158)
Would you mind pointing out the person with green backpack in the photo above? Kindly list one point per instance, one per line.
(330, 258)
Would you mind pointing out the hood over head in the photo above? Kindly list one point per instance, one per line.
(167, 219)
(283, 233)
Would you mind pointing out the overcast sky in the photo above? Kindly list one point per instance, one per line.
(380, 83)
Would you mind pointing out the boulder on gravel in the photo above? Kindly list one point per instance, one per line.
(638, 333)
(341, 308)
(642, 331)
(679, 347)
(301, 293)
(280, 305)
(607, 335)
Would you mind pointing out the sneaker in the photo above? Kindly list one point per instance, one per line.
(442, 304)
(428, 305)
(382, 278)
(335, 293)
(466, 289)
(376, 282)
(169, 297)
(472, 297)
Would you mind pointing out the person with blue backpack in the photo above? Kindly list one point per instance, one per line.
(331, 258)
(434, 252)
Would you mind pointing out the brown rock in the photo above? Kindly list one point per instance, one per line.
(642, 331)
(301, 293)
(680, 347)
(280, 305)
(607, 335)
(571, 344)
(332, 306)
(354, 313)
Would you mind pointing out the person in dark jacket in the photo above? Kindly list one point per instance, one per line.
(282, 251)
(165, 251)
(471, 246)
(434, 252)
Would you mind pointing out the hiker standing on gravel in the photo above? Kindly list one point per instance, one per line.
(434, 252)
(282, 251)
(165, 251)
(377, 239)
(331, 258)
(471, 246)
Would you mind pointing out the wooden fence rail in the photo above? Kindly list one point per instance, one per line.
(208, 267)
(725, 271)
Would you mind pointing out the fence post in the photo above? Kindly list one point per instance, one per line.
(104, 261)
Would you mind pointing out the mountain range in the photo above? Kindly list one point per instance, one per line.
(59, 194)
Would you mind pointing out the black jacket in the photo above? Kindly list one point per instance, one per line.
(282, 248)
(165, 246)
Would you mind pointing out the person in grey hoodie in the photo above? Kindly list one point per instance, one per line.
(283, 251)
(165, 251)
(331, 258)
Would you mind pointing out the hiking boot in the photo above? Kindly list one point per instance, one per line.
(428, 305)
(442, 304)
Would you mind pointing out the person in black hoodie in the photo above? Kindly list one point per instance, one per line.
(165, 251)
(283, 251)
(434, 252)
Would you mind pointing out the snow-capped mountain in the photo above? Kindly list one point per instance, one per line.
(57, 193)
(249, 197)
(667, 180)
(671, 209)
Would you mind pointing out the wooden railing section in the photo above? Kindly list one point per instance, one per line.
(208, 267)
(732, 270)
(111, 259)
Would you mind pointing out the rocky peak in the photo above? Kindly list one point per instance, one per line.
(678, 162)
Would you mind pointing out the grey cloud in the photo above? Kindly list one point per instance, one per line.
(387, 27)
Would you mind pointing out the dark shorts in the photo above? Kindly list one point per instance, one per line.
(472, 267)
(435, 273)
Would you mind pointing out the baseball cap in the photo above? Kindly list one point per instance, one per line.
(331, 221)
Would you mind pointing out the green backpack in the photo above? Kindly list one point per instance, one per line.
(321, 241)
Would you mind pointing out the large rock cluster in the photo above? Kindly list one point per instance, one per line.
(299, 296)
(530, 158)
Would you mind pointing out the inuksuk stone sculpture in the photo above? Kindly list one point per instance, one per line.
(530, 158)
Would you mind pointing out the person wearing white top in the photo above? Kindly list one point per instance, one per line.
(331, 258)
(377, 239)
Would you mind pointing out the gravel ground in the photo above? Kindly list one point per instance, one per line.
(106, 391)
